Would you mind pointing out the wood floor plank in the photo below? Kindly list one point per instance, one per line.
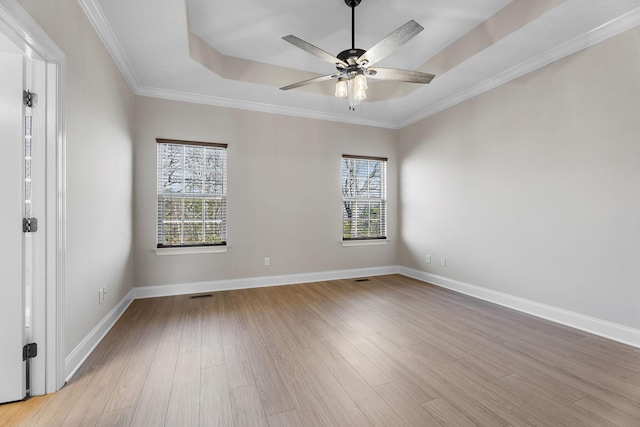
(471, 401)
(89, 406)
(587, 382)
(308, 402)
(183, 408)
(602, 409)
(446, 414)
(375, 408)
(117, 418)
(371, 373)
(247, 407)
(154, 399)
(60, 404)
(397, 373)
(343, 408)
(215, 401)
(387, 351)
(236, 359)
(20, 413)
(212, 352)
(285, 419)
(132, 380)
(488, 391)
(542, 408)
(536, 378)
(276, 313)
(273, 392)
(411, 413)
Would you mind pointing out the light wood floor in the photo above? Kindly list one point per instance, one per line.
(390, 351)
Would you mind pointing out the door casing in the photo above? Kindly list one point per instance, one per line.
(35, 44)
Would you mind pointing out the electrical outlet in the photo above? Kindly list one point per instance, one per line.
(428, 259)
(267, 261)
(443, 262)
(100, 296)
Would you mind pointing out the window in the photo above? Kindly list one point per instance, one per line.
(364, 198)
(192, 193)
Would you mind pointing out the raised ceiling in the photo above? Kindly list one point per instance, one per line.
(232, 53)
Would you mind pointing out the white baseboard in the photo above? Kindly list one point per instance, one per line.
(76, 358)
(79, 354)
(257, 282)
(579, 321)
(592, 325)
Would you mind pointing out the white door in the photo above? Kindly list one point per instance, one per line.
(12, 298)
(31, 179)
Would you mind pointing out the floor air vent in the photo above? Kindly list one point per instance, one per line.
(361, 280)
(201, 296)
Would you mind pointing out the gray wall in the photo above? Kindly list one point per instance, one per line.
(99, 116)
(284, 196)
(532, 189)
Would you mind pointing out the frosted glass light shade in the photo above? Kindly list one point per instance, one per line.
(360, 87)
(341, 88)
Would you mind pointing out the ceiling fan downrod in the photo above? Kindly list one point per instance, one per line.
(352, 4)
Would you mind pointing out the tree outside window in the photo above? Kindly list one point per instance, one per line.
(191, 193)
(364, 206)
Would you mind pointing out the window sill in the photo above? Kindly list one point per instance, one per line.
(191, 251)
(375, 242)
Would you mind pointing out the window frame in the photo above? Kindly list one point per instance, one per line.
(382, 236)
(185, 247)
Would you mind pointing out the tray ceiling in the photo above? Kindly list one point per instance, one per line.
(231, 53)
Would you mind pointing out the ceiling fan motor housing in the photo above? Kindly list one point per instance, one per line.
(351, 55)
(356, 63)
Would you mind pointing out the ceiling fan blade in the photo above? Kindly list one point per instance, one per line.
(316, 51)
(400, 75)
(390, 43)
(311, 81)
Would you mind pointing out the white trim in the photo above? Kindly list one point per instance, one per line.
(257, 282)
(603, 328)
(260, 107)
(95, 15)
(16, 23)
(82, 351)
(577, 44)
(93, 11)
(79, 354)
(599, 327)
(372, 242)
(191, 251)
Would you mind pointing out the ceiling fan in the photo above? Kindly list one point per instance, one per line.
(354, 65)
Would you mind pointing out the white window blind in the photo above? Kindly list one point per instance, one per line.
(192, 193)
(364, 197)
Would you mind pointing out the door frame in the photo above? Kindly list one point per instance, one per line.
(18, 26)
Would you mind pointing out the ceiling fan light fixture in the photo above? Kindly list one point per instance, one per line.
(342, 90)
(353, 65)
(360, 87)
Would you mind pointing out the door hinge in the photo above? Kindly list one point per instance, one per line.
(29, 351)
(29, 225)
(29, 98)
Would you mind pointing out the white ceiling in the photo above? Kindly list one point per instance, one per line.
(230, 53)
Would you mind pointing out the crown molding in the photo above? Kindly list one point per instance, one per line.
(106, 34)
(102, 27)
(260, 107)
(577, 44)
